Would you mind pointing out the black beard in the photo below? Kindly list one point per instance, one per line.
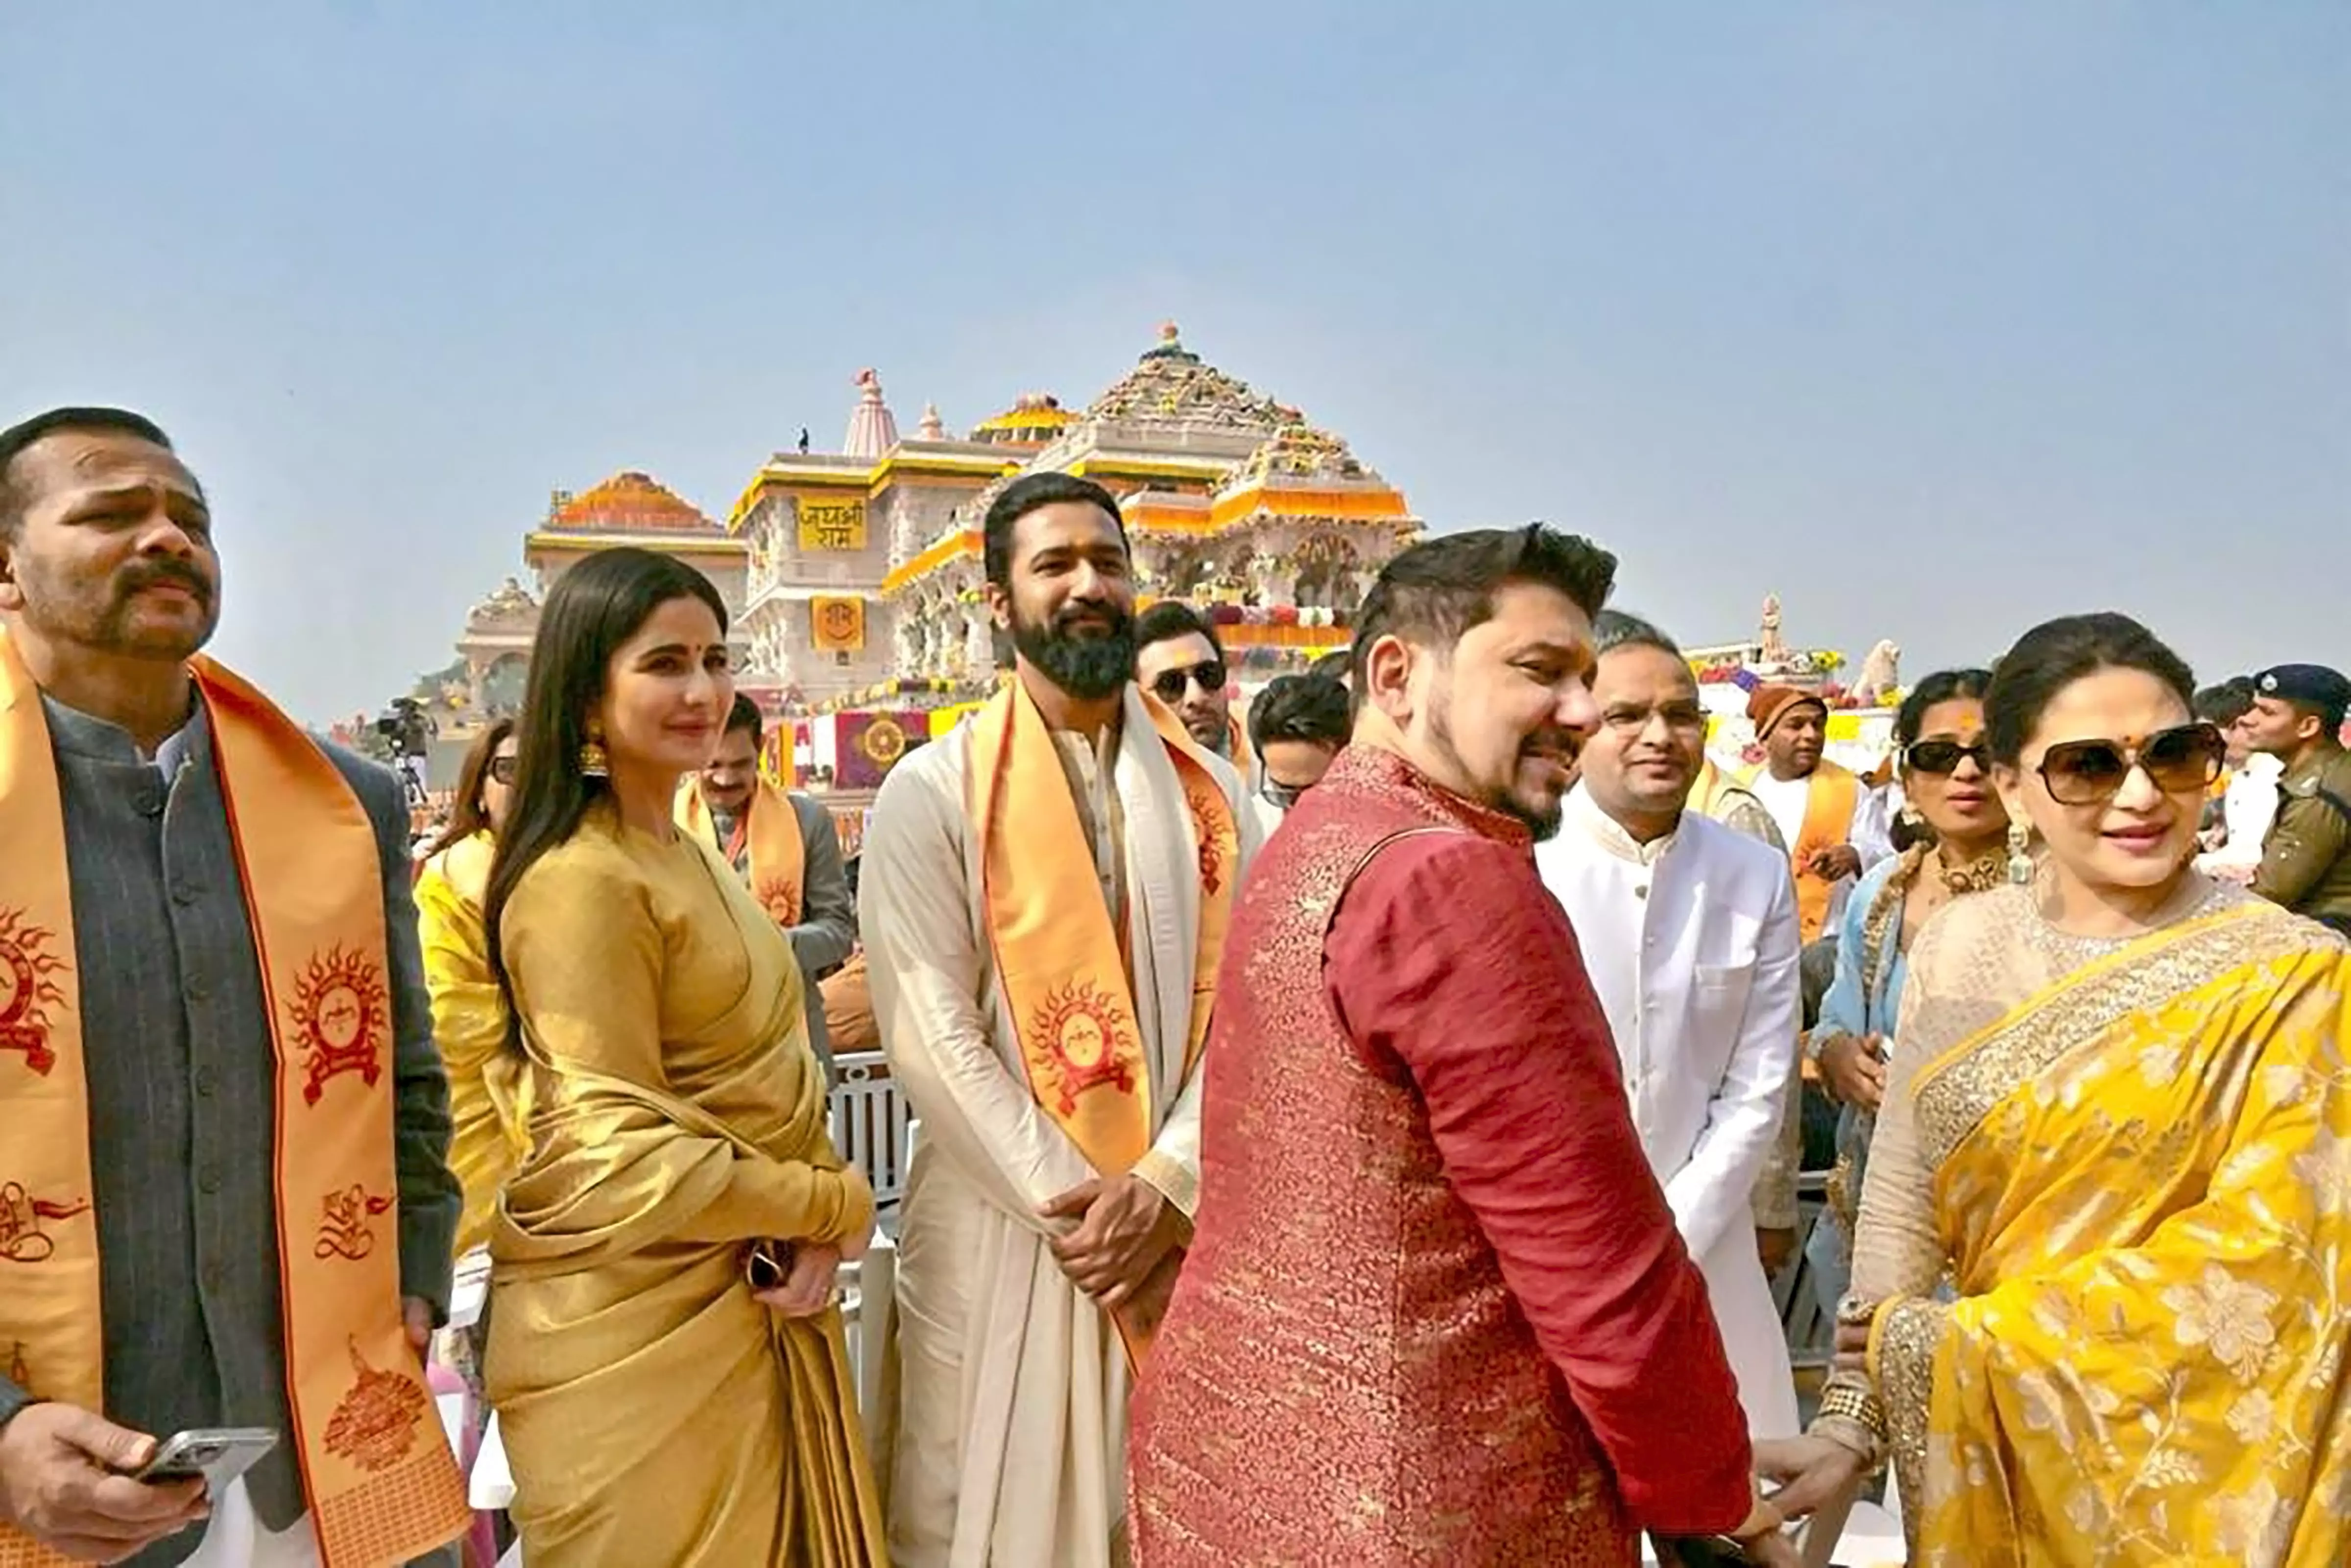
(1088, 668)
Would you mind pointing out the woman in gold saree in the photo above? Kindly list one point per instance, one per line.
(656, 1410)
(2101, 1285)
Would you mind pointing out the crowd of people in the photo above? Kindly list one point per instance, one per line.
(1362, 1134)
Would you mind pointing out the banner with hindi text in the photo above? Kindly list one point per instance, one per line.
(832, 525)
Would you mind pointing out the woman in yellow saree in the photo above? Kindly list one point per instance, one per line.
(490, 1109)
(2101, 1285)
(658, 1408)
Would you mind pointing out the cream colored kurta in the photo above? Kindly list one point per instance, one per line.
(1691, 943)
(1010, 1443)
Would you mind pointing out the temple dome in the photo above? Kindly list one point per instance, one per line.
(1171, 385)
(629, 502)
(1034, 419)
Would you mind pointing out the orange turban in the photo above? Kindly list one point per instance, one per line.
(1767, 705)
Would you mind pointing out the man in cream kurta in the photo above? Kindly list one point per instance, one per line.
(1010, 1432)
(1689, 935)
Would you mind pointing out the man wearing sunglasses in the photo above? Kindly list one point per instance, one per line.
(1179, 659)
(2297, 718)
(1297, 725)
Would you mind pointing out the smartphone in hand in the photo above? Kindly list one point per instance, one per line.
(213, 1455)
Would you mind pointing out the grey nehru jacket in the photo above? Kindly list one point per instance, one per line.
(826, 934)
(183, 1094)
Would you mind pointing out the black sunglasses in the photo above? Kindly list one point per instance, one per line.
(1941, 757)
(502, 768)
(1167, 686)
(2176, 760)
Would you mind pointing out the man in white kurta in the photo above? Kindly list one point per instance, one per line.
(1010, 1423)
(1689, 933)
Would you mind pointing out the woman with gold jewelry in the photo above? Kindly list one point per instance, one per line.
(664, 1354)
(2102, 1283)
(1958, 833)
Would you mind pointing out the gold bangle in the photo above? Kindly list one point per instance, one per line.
(1858, 1405)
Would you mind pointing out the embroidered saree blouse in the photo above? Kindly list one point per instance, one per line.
(2131, 1161)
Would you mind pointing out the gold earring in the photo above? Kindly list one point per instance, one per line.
(2020, 853)
(594, 762)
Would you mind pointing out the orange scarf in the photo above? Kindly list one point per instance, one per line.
(381, 1484)
(778, 854)
(1058, 957)
(1831, 796)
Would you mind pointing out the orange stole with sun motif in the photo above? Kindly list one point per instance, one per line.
(1058, 957)
(381, 1484)
(778, 854)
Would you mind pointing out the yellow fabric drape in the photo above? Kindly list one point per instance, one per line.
(2143, 1175)
(489, 1090)
(654, 1412)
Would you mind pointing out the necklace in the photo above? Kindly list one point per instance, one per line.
(1980, 875)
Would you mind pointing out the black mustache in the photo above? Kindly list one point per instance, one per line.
(136, 578)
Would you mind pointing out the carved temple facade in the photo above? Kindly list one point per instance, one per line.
(853, 579)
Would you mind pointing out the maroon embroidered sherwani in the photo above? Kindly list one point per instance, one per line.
(1436, 1313)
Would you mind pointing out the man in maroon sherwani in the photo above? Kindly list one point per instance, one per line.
(1435, 1312)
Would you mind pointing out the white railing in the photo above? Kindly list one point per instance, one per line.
(869, 1121)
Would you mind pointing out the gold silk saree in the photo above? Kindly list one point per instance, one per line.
(654, 1413)
(2135, 1183)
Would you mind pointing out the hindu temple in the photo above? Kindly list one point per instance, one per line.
(854, 577)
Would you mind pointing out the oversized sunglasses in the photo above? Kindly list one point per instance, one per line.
(1167, 686)
(502, 768)
(1941, 757)
(2091, 772)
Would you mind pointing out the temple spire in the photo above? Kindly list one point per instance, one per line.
(872, 430)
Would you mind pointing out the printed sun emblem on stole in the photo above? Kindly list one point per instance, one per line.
(341, 1014)
(1087, 1040)
(21, 1239)
(1204, 831)
(29, 988)
(780, 897)
(343, 1228)
(375, 1424)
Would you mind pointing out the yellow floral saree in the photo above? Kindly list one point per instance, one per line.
(2136, 1181)
(654, 1413)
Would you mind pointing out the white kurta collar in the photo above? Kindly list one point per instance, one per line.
(1605, 831)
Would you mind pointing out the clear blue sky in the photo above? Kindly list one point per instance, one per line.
(1936, 319)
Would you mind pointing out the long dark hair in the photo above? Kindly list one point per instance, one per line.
(467, 817)
(593, 609)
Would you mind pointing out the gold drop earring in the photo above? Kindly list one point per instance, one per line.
(594, 762)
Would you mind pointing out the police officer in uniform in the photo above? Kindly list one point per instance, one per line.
(2297, 718)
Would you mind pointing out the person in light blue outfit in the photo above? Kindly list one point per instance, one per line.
(1954, 841)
